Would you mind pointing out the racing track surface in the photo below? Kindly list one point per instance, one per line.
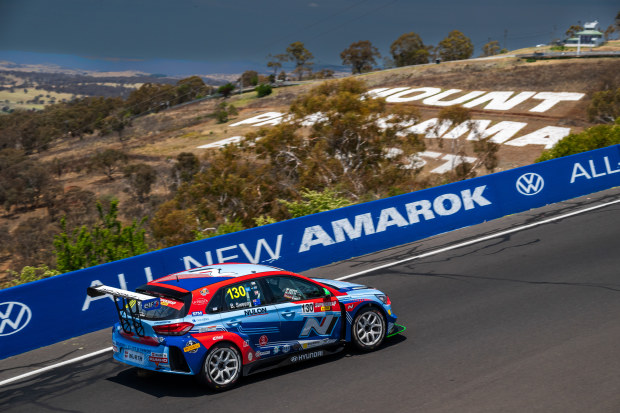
(528, 322)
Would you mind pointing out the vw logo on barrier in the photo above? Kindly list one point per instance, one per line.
(530, 184)
(13, 317)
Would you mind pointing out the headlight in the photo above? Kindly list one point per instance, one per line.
(384, 298)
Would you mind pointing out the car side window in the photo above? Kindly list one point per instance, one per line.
(293, 289)
(243, 295)
(215, 305)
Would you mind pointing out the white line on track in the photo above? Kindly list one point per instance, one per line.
(357, 274)
(477, 240)
(54, 366)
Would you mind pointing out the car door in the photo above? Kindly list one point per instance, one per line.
(310, 316)
(246, 312)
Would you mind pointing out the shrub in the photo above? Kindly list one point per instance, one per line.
(263, 90)
(596, 137)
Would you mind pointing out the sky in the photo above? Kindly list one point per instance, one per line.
(223, 32)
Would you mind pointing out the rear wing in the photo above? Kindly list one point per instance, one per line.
(128, 306)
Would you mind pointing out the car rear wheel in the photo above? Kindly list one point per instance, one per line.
(222, 367)
(368, 329)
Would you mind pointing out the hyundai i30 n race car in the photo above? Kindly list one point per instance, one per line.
(224, 321)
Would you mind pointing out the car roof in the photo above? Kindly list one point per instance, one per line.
(200, 277)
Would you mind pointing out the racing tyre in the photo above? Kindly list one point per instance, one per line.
(368, 329)
(222, 367)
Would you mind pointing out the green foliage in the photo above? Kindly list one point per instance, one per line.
(108, 240)
(28, 274)
(604, 106)
(263, 90)
(264, 220)
(314, 202)
(345, 150)
(191, 88)
(599, 136)
(226, 90)
(409, 49)
(456, 46)
(151, 97)
(360, 56)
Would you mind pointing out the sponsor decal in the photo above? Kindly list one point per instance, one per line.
(263, 340)
(115, 348)
(158, 358)
(191, 347)
(218, 338)
(250, 356)
(330, 304)
(246, 343)
(530, 184)
(402, 216)
(197, 313)
(276, 350)
(591, 171)
(292, 294)
(14, 316)
(307, 356)
(259, 354)
(256, 302)
(204, 292)
(286, 348)
(255, 311)
(351, 306)
(326, 308)
(321, 326)
(150, 304)
(199, 301)
(171, 303)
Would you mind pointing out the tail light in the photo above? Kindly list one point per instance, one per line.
(175, 329)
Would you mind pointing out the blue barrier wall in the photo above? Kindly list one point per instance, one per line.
(54, 309)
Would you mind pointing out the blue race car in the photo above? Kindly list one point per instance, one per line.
(224, 321)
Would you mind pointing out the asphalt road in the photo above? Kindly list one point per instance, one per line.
(527, 322)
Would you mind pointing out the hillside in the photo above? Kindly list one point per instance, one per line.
(549, 101)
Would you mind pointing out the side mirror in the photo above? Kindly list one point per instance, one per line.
(328, 293)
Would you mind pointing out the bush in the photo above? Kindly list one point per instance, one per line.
(226, 90)
(29, 274)
(263, 90)
(596, 137)
(315, 202)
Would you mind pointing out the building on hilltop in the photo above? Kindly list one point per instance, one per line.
(588, 37)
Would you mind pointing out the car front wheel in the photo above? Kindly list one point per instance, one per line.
(222, 367)
(368, 329)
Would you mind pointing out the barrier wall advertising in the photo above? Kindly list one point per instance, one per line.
(51, 310)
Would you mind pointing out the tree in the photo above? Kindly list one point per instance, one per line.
(191, 88)
(408, 49)
(249, 78)
(185, 168)
(151, 97)
(140, 178)
(108, 161)
(599, 136)
(491, 48)
(275, 62)
(360, 56)
(226, 90)
(298, 54)
(604, 106)
(609, 31)
(456, 46)
(108, 240)
(571, 31)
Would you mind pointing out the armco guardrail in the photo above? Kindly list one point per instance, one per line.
(57, 308)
